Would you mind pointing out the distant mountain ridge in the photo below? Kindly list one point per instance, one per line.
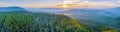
(111, 11)
(12, 9)
(98, 15)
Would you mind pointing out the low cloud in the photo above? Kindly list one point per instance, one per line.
(91, 4)
(2, 4)
(97, 4)
(76, 3)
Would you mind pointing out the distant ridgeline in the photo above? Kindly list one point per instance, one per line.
(43, 22)
(12, 9)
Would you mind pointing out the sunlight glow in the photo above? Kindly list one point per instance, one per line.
(65, 6)
(68, 3)
(86, 4)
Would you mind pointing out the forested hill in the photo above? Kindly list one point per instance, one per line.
(38, 22)
(12, 21)
(43, 22)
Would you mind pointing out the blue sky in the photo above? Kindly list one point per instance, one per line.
(48, 3)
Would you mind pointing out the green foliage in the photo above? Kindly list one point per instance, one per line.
(15, 22)
(43, 22)
(110, 31)
(56, 23)
(38, 22)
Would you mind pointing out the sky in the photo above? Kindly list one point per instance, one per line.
(52, 3)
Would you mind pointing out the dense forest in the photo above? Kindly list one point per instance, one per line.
(38, 22)
(44, 22)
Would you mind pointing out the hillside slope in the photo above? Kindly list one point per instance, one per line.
(38, 22)
(17, 19)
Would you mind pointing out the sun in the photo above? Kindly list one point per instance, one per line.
(65, 6)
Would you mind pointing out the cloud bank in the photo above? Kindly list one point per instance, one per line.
(97, 4)
(80, 3)
(2, 4)
(91, 4)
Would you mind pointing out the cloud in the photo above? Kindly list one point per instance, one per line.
(97, 4)
(80, 3)
(91, 4)
(118, 1)
(2, 4)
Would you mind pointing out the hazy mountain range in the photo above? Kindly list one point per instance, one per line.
(80, 13)
(86, 15)
(12, 9)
